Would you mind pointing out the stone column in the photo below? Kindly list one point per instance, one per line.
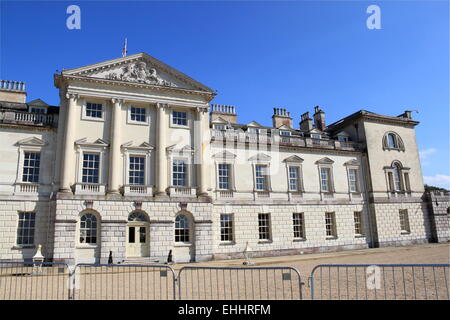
(114, 152)
(68, 154)
(203, 137)
(161, 159)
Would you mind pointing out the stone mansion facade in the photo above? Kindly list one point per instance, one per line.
(135, 163)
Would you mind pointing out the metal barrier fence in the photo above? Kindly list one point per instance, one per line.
(239, 283)
(123, 282)
(34, 281)
(380, 282)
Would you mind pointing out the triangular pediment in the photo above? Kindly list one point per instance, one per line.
(142, 146)
(38, 103)
(260, 157)
(352, 162)
(176, 148)
(220, 120)
(32, 141)
(284, 127)
(254, 124)
(293, 158)
(325, 161)
(224, 155)
(96, 143)
(139, 68)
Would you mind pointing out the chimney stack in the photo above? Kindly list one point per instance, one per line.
(319, 119)
(281, 117)
(306, 122)
(227, 113)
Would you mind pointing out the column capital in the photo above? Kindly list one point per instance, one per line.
(162, 106)
(73, 96)
(117, 100)
(202, 109)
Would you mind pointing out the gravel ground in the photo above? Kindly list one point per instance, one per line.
(228, 280)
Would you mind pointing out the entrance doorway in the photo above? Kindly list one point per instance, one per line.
(137, 235)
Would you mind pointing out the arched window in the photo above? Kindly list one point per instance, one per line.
(391, 140)
(137, 216)
(181, 228)
(88, 228)
(397, 177)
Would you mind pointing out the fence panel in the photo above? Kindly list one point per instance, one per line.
(34, 281)
(381, 282)
(239, 283)
(123, 282)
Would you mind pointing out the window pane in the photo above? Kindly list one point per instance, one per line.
(137, 170)
(31, 165)
(224, 176)
(90, 170)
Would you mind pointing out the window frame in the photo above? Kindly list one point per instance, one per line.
(333, 229)
(20, 236)
(186, 172)
(176, 125)
(356, 181)
(300, 224)
(229, 177)
(228, 230)
(83, 168)
(358, 223)
(267, 228)
(263, 176)
(85, 116)
(397, 140)
(405, 227)
(186, 234)
(146, 122)
(81, 229)
(25, 152)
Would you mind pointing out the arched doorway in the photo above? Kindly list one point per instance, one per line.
(138, 242)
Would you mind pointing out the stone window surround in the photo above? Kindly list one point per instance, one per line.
(300, 185)
(385, 143)
(266, 163)
(134, 122)
(354, 166)
(81, 149)
(130, 152)
(327, 165)
(22, 150)
(178, 126)
(189, 172)
(231, 177)
(390, 170)
(92, 100)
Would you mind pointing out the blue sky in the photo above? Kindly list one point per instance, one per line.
(258, 55)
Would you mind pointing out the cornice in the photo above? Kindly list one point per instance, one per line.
(62, 78)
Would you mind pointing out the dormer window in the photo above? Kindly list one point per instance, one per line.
(342, 138)
(39, 110)
(316, 136)
(219, 127)
(253, 130)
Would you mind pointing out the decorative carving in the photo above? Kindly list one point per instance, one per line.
(138, 205)
(139, 72)
(89, 204)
